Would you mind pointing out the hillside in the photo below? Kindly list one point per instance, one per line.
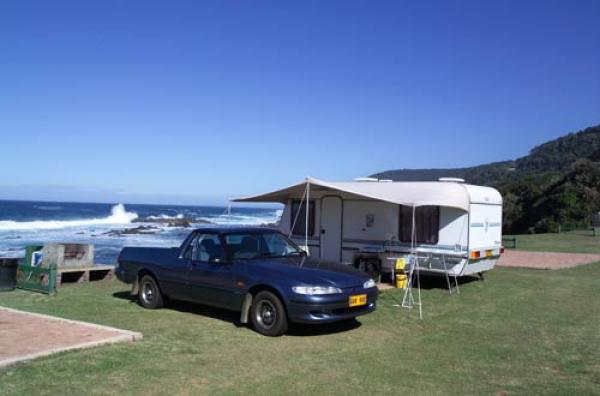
(557, 183)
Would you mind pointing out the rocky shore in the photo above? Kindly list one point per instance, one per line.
(180, 222)
(145, 230)
(166, 221)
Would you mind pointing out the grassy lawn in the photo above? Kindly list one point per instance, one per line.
(518, 332)
(568, 242)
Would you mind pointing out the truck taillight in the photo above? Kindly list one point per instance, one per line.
(475, 255)
(502, 250)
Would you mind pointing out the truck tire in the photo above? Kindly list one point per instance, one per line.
(268, 314)
(149, 295)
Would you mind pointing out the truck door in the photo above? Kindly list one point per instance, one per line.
(174, 278)
(210, 275)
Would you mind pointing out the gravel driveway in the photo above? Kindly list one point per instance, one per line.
(545, 260)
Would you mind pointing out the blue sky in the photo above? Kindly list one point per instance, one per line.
(195, 102)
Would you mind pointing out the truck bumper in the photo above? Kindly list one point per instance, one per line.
(123, 276)
(329, 311)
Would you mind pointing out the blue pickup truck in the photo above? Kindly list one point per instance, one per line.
(256, 271)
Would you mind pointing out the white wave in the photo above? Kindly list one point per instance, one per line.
(47, 207)
(165, 217)
(242, 220)
(118, 216)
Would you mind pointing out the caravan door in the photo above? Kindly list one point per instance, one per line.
(331, 228)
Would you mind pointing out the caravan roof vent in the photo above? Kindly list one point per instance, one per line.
(366, 179)
(451, 179)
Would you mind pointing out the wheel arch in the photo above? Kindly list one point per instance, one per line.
(140, 274)
(253, 291)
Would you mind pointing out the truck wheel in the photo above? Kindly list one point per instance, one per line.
(268, 314)
(149, 295)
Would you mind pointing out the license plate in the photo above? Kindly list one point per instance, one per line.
(358, 300)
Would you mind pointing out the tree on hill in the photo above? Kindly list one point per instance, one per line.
(557, 183)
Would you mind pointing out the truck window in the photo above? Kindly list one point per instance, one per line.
(187, 254)
(208, 248)
(247, 246)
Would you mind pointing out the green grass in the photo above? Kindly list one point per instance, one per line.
(518, 332)
(569, 242)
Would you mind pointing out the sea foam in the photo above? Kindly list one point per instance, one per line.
(166, 217)
(118, 216)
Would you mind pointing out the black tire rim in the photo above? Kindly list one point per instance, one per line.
(266, 314)
(148, 292)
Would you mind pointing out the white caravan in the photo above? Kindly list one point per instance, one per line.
(453, 227)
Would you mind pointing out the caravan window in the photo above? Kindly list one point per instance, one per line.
(427, 223)
(299, 227)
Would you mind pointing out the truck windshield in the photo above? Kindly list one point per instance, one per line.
(252, 245)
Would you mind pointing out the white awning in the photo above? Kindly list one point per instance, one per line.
(449, 194)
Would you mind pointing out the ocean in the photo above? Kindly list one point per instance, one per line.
(110, 227)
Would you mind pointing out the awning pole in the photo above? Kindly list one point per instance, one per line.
(414, 242)
(297, 214)
(408, 301)
(307, 207)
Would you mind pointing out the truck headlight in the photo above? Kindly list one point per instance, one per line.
(316, 290)
(369, 284)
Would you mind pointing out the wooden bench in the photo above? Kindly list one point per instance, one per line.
(86, 274)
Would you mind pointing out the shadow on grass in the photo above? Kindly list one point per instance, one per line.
(438, 281)
(188, 307)
(308, 330)
(295, 329)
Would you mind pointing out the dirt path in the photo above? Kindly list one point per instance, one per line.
(27, 336)
(545, 260)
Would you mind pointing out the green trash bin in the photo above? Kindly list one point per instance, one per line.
(8, 273)
(33, 275)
